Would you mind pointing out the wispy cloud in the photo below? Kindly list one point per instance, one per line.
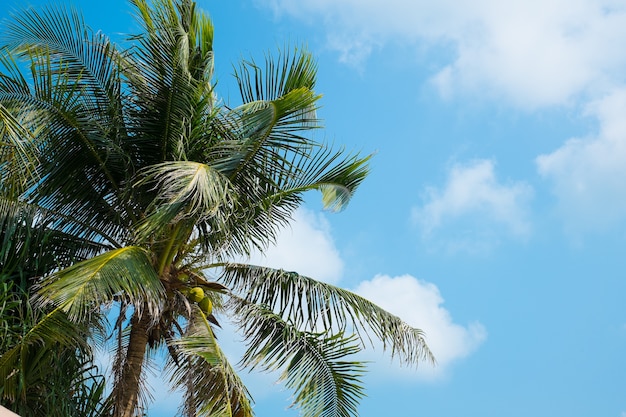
(533, 53)
(587, 174)
(530, 54)
(420, 304)
(477, 204)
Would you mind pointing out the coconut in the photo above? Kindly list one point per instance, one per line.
(206, 305)
(196, 294)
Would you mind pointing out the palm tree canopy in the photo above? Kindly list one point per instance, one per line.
(152, 185)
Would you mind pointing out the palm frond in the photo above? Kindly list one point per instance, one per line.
(280, 76)
(185, 189)
(18, 154)
(53, 332)
(269, 132)
(82, 288)
(34, 241)
(88, 58)
(212, 387)
(336, 176)
(311, 304)
(313, 364)
(73, 108)
(169, 79)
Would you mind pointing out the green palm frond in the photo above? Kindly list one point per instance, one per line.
(169, 78)
(336, 176)
(280, 76)
(212, 386)
(72, 67)
(268, 132)
(310, 304)
(34, 241)
(185, 189)
(81, 54)
(18, 154)
(313, 364)
(82, 288)
(73, 109)
(53, 331)
(267, 199)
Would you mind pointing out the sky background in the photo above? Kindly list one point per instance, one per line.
(494, 217)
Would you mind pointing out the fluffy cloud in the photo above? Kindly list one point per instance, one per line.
(419, 303)
(535, 53)
(306, 246)
(587, 174)
(473, 193)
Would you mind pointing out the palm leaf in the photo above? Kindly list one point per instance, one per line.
(280, 76)
(86, 57)
(169, 78)
(82, 288)
(313, 364)
(335, 176)
(212, 387)
(53, 331)
(185, 189)
(311, 304)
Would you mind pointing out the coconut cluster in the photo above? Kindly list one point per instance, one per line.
(197, 295)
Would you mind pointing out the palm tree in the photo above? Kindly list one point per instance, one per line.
(129, 154)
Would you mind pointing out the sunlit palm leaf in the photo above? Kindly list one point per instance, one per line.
(84, 55)
(169, 78)
(74, 110)
(333, 174)
(34, 241)
(280, 76)
(186, 189)
(268, 132)
(81, 289)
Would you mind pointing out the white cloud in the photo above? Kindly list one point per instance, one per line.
(587, 174)
(473, 194)
(532, 52)
(306, 246)
(419, 303)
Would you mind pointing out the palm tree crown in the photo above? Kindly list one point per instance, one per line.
(155, 186)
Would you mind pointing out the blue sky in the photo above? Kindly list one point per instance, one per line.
(495, 214)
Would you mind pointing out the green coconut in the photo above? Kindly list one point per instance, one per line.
(206, 305)
(196, 294)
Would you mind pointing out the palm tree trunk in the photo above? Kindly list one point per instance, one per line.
(126, 392)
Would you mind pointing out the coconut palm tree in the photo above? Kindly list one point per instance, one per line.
(129, 154)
